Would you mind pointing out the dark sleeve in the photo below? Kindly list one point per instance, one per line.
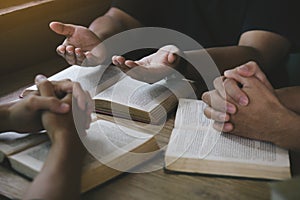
(145, 11)
(270, 15)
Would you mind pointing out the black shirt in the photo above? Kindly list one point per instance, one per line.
(212, 22)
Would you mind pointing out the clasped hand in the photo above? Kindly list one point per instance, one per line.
(28, 114)
(251, 110)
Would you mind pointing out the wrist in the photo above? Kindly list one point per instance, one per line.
(289, 97)
(5, 124)
(286, 131)
(67, 140)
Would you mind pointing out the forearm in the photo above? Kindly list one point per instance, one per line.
(4, 116)
(287, 135)
(226, 57)
(289, 97)
(106, 26)
(61, 173)
(113, 22)
(223, 57)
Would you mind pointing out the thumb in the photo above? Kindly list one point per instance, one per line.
(172, 58)
(62, 29)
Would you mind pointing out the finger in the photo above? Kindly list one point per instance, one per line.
(216, 115)
(62, 29)
(90, 108)
(206, 98)
(233, 74)
(91, 59)
(47, 103)
(121, 60)
(62, 87)
(61, 50)
(214, 100)
(252, 69)
(131, 64)
(80, 95)
(70, 55)
(45, 87)
(234, 92)
(123, 67)
(172, 58)
(114, 60)
(90, 103)
(223, 127)
(80, 56)
(219, 86)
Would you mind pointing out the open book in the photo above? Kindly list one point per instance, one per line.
(117, 94)
(11, 142)
(117, 147)
(195, 147)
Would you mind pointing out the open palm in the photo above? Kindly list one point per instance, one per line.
(153, 67)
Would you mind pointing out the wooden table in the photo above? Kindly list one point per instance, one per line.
(155, 185)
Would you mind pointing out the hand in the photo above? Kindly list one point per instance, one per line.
(82, 98)
(60, 127)
(25, 115)
(61, 88)
(250, 69)
(262, 119)
(79, 42)
(60, 174)
(228, 87)
(153, 67)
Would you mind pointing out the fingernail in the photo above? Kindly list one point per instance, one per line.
(227, 73)
(64, 106)
(243, 101)
(39, 78)
(227, 127)
(230, 109)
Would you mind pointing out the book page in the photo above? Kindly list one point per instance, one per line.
(107, 141)
(189, 114)
(30, 161)
(144, 96)
(104, 140)
(41, 152)
(92, 79)
(229, 148)
(188, 143)
(11, 142)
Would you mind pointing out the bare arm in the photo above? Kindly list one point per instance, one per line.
(265, 118)
(25, 115)
(61, 173)
(114, 21)
(80, 41)
(265, 48)
(290, 97)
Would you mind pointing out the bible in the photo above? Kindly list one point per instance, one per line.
(118, 94)
(114, 150)
(11, 142)
(195, 147)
